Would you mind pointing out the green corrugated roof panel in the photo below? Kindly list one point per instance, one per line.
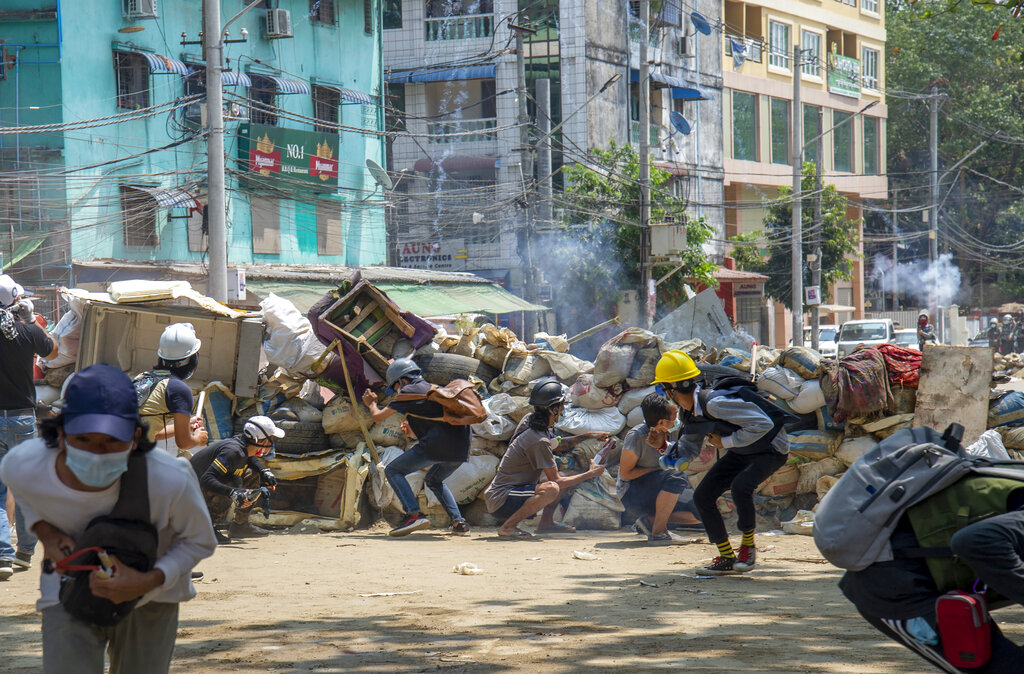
(440, 299)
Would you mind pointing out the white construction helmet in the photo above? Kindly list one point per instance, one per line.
(1007, 319)
(178, 342)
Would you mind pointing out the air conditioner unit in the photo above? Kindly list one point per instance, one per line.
(279, 24)
(139, 9)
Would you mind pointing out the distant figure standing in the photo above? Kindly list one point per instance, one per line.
(1008, 335)
(925, 331)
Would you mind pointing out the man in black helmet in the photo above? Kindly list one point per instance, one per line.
(528, 480)
(442, 446)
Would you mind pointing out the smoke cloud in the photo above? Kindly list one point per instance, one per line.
(930, 284)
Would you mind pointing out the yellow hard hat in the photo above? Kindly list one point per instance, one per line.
(674, 366)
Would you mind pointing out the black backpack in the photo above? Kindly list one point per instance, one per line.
(742, 388)
(127, 533)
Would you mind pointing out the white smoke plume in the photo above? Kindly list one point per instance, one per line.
(930, 284)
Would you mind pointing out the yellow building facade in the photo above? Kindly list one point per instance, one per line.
(842, 71)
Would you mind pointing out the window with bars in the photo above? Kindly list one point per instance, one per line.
(392, 14)
(131, 72)
(811, 63)
(322, 11)
(138, 210)
(778, 40)
(263, 97)
(326, 101)
(869, 68)
(368, 17)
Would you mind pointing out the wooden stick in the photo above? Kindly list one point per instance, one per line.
(355, 405)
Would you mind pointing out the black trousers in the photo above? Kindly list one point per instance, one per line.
(740, 473)
(994, 549)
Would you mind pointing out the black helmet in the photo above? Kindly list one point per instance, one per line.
(547, 393)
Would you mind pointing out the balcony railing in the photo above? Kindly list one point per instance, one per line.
(483, 127)
(634, 134)
(755, 47)
(459, 27)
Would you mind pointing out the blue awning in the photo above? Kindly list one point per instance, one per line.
(689, 94)
(355, 96)
(228, 77)
(159, 64)
(442, 74)
(285, 85)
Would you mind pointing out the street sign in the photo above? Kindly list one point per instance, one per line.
(843, 75)
(812, 295)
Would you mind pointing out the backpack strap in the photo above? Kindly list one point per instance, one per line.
(133, 499)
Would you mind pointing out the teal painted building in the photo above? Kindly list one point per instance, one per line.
(122, 175)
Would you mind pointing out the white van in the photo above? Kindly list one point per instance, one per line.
(867, 331)
(826, 339)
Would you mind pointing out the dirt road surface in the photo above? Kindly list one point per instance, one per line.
(315, 602)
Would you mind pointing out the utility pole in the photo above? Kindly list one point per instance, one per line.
(797, 208)
(218, 284)
(544, 151)
(816, 235)
(895, 250)
(526, 167)
(933, 212)
(644, 85)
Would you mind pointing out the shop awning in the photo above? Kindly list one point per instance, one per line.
(286, 85)
(442, 74)
(437, 299)
(24, 248)
(170, 198)
(229, 78)
(159, 64)
(355, 96)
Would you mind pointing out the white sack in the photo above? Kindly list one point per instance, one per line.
(289, 342)
(809, 399)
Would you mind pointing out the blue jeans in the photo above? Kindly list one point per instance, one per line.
(416, 459)
(13, 431)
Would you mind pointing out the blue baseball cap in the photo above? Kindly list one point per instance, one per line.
(101, 399)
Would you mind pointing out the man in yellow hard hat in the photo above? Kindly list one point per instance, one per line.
(750, 428)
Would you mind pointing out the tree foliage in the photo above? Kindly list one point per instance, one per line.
(975, 58)
(602, 217)
(769, 251)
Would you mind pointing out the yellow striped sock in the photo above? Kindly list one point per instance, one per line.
(748, 538)
(725, 549)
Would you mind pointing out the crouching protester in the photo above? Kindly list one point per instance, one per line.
(659, 496)
(442, 446)
(228, 469)
(929, 581)
(750, 428)
(121, 526)
(528, 480)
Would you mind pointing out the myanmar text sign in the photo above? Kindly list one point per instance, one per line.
(843, 75)
(289, 154)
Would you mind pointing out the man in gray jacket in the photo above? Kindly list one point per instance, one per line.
(750, 429)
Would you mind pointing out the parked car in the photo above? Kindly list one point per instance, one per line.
(868, 331)
(826, 339)
(907, 338)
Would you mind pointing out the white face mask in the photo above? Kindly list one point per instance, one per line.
(95, 470)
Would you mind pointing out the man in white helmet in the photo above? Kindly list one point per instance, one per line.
(22, 338)
(229, 468)
(165, 400)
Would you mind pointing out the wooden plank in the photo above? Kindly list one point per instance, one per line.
(954, 388)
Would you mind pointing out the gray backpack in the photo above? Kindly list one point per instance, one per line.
(855, 519)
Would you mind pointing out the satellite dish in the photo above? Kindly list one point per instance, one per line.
(380, 175)
(680, 123)
(700, 23)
